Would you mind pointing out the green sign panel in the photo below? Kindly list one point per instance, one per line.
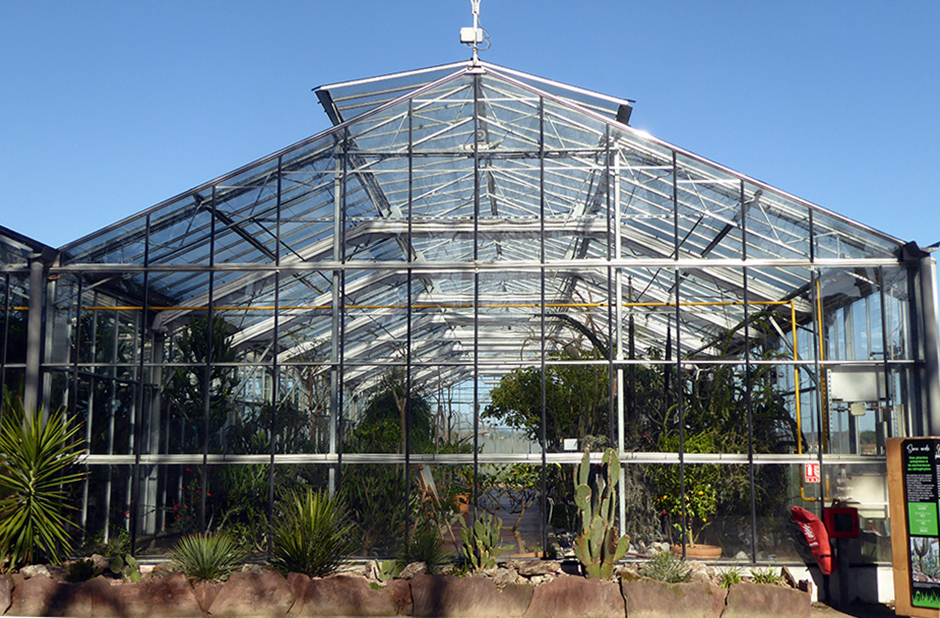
(920, 458)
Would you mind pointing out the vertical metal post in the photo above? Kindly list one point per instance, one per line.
(206, 401)
(339, 184)
(476, 292)
(888, 409)
(621, 394)
(136, 436)
(612, 392)
(748, 379)
(543, 476)
(73, 391)
(408, 292)
(821, 429)
(678, 383)
(275, 349)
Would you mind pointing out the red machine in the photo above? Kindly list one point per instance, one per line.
(817, 537)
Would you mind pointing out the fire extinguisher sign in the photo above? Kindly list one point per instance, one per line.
(811, 472)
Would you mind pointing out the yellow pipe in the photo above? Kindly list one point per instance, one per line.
(799, 411)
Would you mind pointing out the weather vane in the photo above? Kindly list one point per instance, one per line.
(475, 35)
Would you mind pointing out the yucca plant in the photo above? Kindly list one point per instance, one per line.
(311, 535)
(426, 545)
(35, 460)
(207, 557)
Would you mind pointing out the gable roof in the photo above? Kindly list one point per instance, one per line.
(485, 188)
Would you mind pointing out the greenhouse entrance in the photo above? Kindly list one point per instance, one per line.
(438, 304)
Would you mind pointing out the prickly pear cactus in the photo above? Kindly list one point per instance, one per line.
(599, 546)
(481, 542)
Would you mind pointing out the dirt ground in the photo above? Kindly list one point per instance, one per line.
(856, 610)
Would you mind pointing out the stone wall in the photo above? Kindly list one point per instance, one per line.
(261, 593)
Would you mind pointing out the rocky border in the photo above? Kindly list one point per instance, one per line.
(540, 589)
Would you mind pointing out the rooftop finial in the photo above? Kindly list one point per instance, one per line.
(474, 36)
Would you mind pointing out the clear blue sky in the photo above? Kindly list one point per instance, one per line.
(110, 107)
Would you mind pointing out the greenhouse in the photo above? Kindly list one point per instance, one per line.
(440, 302)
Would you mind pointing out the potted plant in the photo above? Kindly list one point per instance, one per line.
(701, 496)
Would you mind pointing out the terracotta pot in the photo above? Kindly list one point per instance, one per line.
(698, 551)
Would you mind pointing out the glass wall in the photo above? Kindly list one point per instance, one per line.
(434, 308)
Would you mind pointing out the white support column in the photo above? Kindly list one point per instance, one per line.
(928, 286)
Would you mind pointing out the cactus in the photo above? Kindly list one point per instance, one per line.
(599, 546)
(481, 542)
(126, 567)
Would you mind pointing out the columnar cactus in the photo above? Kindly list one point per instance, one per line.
(599, 546)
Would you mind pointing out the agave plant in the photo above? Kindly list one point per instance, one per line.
(35, 457)
(666, 567)
(207, 557)
(311, 536)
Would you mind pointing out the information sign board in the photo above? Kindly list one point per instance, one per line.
(914, 495)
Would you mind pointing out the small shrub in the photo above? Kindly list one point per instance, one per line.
(427, 546)
(207, 557)
(729, 577)
(765, 576)
(666, 567)
(311, 535)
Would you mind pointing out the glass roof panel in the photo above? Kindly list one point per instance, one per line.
(465, 130)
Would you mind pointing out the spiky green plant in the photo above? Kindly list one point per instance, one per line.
(426, 545)
(765, 576)
(207, 557)
(35, 457)
(666, 566)
(481, 542)
(311, 535)
(599, 546)
(729, 577)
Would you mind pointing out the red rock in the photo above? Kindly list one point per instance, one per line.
(253, 594)
(6, 593)
(576, 597)
(345, 595)
(477, 597)
(205, 593)
(35, 596)
(156, 596)
(400, 591)
(649, 598)
(749, 600)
